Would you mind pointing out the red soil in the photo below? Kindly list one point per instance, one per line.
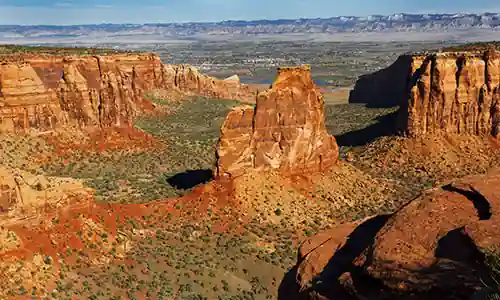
(130, 139)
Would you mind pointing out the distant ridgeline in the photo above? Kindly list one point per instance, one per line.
(373, 23)
(21, 49)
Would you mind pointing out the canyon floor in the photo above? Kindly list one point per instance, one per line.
(158, 227)
(237, 245)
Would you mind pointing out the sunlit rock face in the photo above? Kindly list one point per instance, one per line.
(46, 91)
(455, 93)
(285, 131)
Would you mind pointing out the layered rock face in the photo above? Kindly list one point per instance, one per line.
(44, 91)
(455, 93)
(286, 130)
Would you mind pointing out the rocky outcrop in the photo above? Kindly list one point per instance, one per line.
(432, 247)
(44, 91)
(24, 194)
(285, 131)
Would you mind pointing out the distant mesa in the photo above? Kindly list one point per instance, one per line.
(285, 131)
(401, 22)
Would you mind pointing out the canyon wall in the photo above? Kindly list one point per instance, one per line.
(444, 92)
(44, 91)
(285, 131)
(384, 88)
(455, 93)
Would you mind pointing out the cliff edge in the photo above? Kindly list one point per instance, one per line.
(454, 92)
(44, 91)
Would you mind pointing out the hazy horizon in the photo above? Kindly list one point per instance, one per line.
(238, 20)
(70, 12)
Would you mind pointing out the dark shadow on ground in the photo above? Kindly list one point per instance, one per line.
(480, 202)
(342, 261)
(456, 245)
(190, 179)
(387, 125)
(384, 88)
(289, 289)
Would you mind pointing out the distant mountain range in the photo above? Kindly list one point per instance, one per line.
(373, 23)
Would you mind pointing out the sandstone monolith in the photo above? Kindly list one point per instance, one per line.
(285, 131)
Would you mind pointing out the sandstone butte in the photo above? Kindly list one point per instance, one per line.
(285, 131)
(45, 91)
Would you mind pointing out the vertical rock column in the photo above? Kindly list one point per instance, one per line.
(286, 131)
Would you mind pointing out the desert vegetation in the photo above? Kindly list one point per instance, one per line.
(478, 46)
(186, 147)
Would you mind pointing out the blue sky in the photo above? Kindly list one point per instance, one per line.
(142, 11)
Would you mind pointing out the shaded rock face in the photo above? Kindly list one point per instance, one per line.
(430, 248)
(42, 92)
(286, 130)
(384, 88)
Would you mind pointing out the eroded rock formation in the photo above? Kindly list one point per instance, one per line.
(44, 91)
(285, 131)
(431, 247)
(23, 194)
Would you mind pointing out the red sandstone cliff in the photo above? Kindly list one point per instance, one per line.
(455, 93)
(286, 130)
(44, 91)
(447, 92)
